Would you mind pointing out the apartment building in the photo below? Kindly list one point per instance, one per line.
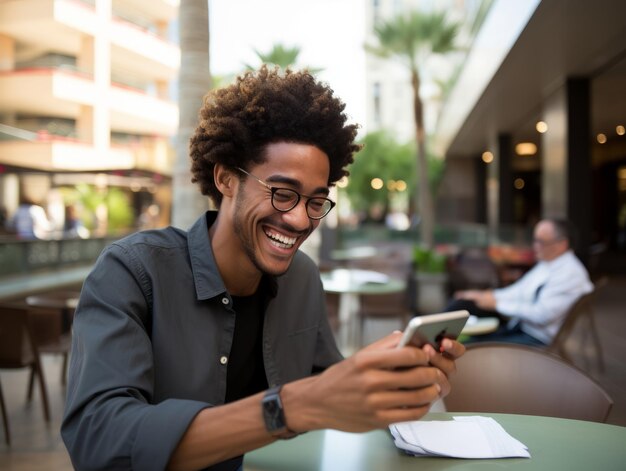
(389, 97)
(84, 97)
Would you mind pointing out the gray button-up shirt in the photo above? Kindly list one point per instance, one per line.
(151, 339)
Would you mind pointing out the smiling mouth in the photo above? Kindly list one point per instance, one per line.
(279, 240)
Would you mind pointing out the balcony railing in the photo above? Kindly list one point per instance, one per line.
(24, 258)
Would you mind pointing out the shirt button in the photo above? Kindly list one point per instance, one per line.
(223, 360)
(224, 301)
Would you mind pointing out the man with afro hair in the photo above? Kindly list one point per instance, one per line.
(192, 348)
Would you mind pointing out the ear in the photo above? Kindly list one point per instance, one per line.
(225, 180)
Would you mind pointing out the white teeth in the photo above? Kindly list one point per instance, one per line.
(281, 240)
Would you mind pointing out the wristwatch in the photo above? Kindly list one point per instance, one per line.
(274, 416)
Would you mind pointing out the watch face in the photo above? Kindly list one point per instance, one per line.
(273, 413)
(274, 416)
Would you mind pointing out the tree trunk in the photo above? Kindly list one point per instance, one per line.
(193, 83)
(424, 203)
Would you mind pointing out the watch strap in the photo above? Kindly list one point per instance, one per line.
(274, 414)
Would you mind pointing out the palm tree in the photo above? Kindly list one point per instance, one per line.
(282, 56)
(193, 83)
(412, 39)
(279, 55)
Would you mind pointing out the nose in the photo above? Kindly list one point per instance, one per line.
(298, 217)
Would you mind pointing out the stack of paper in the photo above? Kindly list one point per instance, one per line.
(463, 437)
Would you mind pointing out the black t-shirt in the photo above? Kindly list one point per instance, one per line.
(246, 372)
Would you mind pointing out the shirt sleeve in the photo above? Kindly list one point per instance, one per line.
(513, 292)
(110, 421)
(555, 297)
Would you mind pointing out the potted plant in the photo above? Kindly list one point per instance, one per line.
(431, 278)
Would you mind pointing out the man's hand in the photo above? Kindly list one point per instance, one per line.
(484, 299)
(377, 386)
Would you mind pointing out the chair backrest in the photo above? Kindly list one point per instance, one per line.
(582, 307)
(397, 304)
(517, 379)
(473, 269)
(16, 345)
(332, 310)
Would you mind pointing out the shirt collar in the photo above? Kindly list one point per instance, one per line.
(561, 259)
(207, 279)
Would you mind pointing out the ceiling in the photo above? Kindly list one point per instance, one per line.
(563, 39)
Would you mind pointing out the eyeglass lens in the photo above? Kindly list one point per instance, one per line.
(285, 199)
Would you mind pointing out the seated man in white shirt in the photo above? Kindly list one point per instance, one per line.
(533, 308)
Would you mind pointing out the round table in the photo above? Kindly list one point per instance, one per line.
(353, 253)
(554, 444)
(349, 283)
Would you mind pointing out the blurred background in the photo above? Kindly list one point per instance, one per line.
(479, 117)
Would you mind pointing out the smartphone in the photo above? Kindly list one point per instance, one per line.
(433, 328)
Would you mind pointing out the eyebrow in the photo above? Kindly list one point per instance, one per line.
(296, 184)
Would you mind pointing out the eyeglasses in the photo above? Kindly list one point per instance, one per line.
(285, 199)
(545, 243)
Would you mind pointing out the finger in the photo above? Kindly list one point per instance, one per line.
(389, 341)
(390, 358)
(443, 362)
(404, 414)
(453, 348)
(408, 378)
(404, 398)
(429, 350)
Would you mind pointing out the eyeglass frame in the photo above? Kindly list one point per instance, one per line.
(299, 196)
(547, 243)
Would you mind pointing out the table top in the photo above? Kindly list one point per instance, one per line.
(480, 325)
(55, 300)
(357, 281)
(353, 253)
(554, 444)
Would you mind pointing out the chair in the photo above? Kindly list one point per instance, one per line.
(5, 418)
(332, 310)
(581, 312)
(51, 318)
(518, 379)
(473, 269)
(19, 349)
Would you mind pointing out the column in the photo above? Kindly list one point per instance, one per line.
(579, 176)
(505, 177)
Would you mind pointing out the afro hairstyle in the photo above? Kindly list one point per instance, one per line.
(237, 122)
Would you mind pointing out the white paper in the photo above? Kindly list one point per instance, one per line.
(464, 437)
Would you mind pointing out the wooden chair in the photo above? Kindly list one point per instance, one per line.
(332, 310)
(581, 314)
(51, 331)
(19, 349)
(518, 379)
(5, 418)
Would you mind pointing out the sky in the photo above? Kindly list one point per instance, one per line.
(329, 33)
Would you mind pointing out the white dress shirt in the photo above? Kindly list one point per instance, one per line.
(542, 297)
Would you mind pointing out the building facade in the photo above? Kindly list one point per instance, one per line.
(85, 98)
(542, 133)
